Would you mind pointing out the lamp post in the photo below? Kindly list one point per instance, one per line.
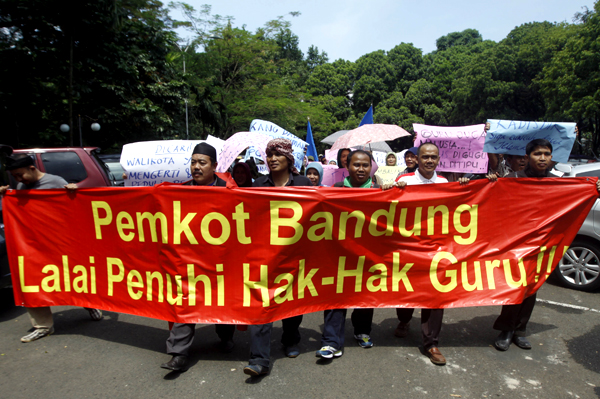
(187, 131)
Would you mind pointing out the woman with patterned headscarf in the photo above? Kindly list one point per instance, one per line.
(282, 173)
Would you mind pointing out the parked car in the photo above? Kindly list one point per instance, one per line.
(580, 266)
(113, 162)
(79, 165)
(5, 281)
(4, 267)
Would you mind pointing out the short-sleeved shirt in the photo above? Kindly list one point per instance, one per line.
(417, 178)
(47, 181)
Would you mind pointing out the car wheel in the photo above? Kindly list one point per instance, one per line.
(579, 269)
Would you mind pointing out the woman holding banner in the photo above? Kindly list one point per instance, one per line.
(282, 173)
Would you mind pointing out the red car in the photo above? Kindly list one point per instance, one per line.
(74, 164)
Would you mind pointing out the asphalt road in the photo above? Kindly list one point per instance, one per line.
(119, 357)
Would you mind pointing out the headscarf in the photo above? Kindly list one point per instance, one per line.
(317, 166)
(243, 165)
(284, 147)
(395, 158)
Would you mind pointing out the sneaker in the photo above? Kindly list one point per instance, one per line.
(364, 340)
(37, 334)
(327, 352)
(402, 330)
(95, 314)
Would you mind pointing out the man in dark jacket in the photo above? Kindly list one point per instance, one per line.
(203, 167)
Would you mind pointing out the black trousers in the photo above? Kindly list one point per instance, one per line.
(515, 317)
(260, 339)
(181, 337)
(362, 320)
(431, 324)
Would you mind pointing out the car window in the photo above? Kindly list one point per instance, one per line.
(66, 164)
(116, 170)
(591, 173)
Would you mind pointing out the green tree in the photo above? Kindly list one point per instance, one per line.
(467, 37)
(315, 59)
(570, 83)
(115, 52)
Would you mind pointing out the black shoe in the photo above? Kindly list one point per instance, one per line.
(255, 370)
(503, 340)
(521, 342)
(291, 351)
(177, 363)
(226, 346)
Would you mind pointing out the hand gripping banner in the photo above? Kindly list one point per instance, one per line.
(221, 255)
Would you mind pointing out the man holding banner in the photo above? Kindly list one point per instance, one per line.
(513, 319)
(428, 155)
(359, 165)
(203, 167)
(30, 177)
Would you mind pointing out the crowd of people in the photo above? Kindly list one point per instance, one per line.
(421, 165)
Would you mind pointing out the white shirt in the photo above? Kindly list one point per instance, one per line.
(417, 178)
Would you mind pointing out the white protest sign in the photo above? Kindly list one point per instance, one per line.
(400, 159)
(511, 137)
(379, 157)
(152, 162)
(271, 129)
(217, 143)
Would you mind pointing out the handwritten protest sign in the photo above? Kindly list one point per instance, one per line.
(400, 159)
(217, 143)
(271, 129)
(511, 137)
(332, 174)
(379, 157)
(152, 162)
(331, 155)
(461, 148)
(388, 174)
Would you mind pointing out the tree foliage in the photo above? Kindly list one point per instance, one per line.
(127, 67)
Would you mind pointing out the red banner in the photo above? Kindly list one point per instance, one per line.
(194, 254)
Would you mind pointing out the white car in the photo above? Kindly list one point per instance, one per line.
(580, 267)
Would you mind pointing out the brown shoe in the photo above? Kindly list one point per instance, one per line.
(435, 356)
(402, 330)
